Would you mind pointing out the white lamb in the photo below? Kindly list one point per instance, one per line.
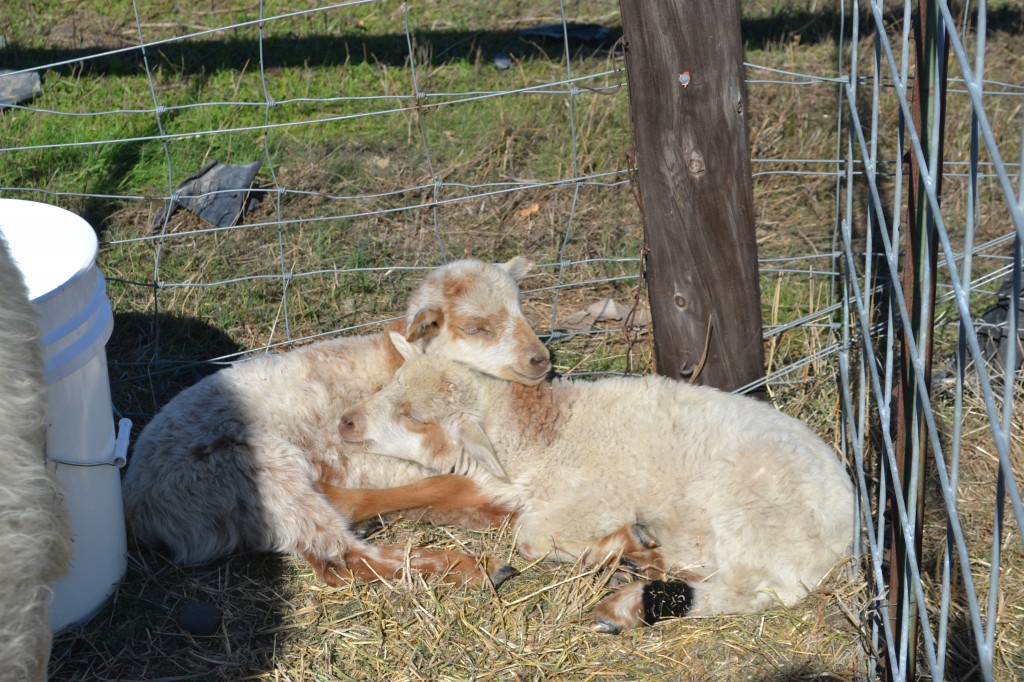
(745, 504)
(35, 538)
(236, 462)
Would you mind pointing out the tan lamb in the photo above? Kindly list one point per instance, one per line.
(236, 462)
(35, 537)
(722, 503)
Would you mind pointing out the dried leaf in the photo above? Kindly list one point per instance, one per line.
(606, 309)
(525, 213)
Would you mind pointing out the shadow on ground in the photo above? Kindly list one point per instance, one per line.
(433, 47)
(136, 635)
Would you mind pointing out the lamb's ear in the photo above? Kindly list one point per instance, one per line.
(426, 325)
(477, 448)
(405, 349)
(517, 267)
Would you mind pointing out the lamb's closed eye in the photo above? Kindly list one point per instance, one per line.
(412, 419)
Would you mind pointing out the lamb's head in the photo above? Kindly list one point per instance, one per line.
(430, 414)
(469, 311)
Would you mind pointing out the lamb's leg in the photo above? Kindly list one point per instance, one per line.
(644, 602)
(633, 547)
(389, 562)
(739, 590)
(447, 498)
(374, 562)
(471, 518)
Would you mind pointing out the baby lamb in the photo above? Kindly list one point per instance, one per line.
(744, 504)
(35, 538)
(236, 462)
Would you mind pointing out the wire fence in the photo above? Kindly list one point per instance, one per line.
(522, 149)
(941, 552)
(576, 88)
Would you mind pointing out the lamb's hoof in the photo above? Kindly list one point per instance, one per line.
(627, 571)
(643, 536)
(367, 528)
(604, 627)
(502, 574)
(334, 575)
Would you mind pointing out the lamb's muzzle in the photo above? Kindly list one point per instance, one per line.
(540, 363)
(534, 362)
(352, 425)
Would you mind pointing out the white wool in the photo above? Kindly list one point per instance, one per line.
(732, 489)
(232, 462)
(35, 538)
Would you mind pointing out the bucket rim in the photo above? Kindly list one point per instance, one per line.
(24, 225)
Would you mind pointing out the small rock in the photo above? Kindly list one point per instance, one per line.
(16, 88)
(607, 309)
(502, 61)
(199, 618)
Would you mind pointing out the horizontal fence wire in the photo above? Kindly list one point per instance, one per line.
(169, 277)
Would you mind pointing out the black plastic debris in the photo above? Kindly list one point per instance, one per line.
(584, 33)
(218, 194)
(16, 88)
(199, 618)
(993, 328)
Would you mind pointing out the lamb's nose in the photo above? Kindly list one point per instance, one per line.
(351, 425)
(540, 357)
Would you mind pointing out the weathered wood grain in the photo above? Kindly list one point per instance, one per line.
(684, 61)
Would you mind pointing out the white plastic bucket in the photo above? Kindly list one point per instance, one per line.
(56, 252)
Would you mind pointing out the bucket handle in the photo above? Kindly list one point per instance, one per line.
(120, 455)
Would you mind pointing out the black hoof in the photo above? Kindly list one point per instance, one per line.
(367, 528)
(503, 574)
(627, 571)
(644, 536)
(605, 627)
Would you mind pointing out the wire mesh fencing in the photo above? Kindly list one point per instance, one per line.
(386, 138)
(930, 236)
(360, 193)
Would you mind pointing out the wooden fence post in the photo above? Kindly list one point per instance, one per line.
(684, 62)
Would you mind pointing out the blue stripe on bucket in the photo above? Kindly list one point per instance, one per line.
(71, 359)
(99, 295)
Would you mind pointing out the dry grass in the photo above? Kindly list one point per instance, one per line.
(279, 623)
(976, 496)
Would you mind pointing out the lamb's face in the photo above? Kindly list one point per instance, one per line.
(469, 311)
(429, 415)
